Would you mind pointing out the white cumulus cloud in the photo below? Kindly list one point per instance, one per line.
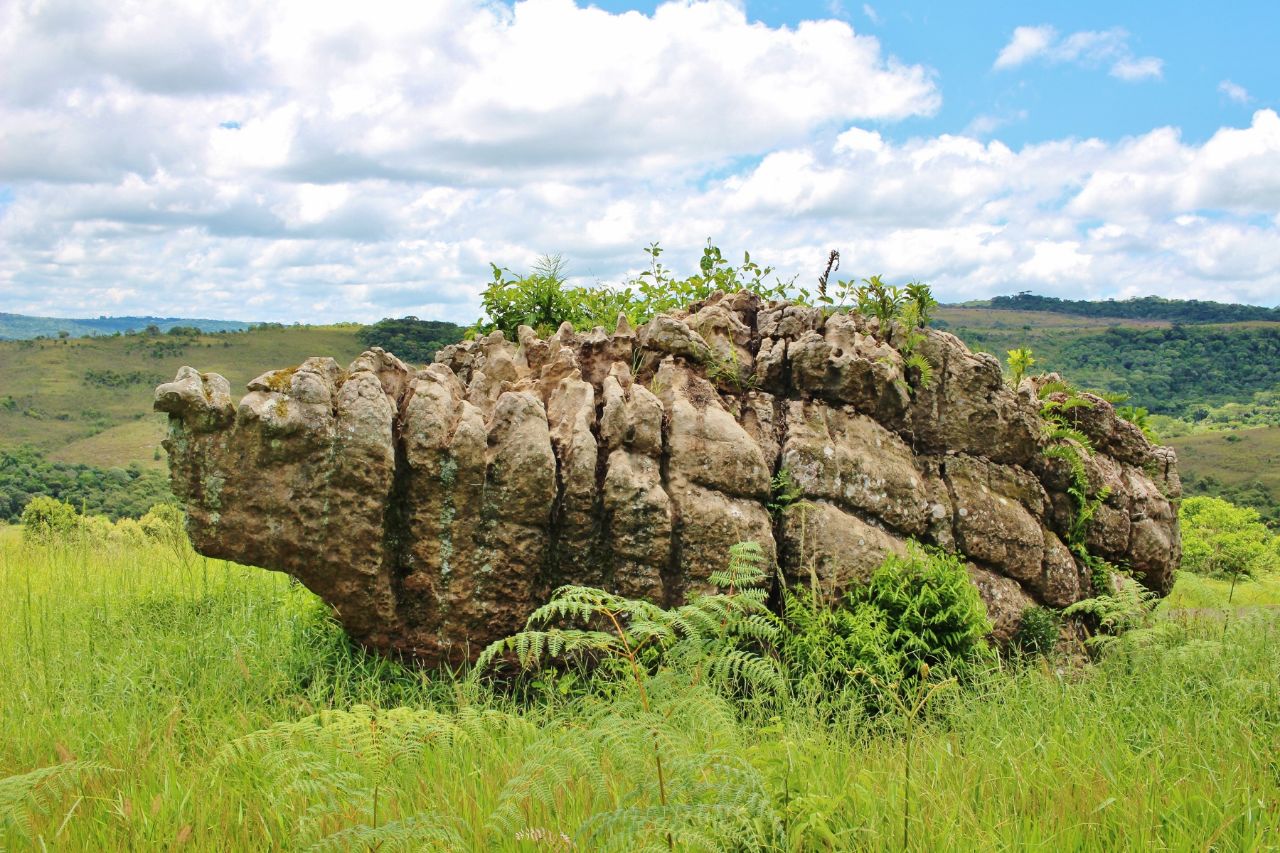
(1086, 48)
(1235, 92)
(1026, 44)
(325, 160)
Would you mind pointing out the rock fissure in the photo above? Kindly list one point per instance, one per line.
(672, 589)
(599, 514)
(435, 508)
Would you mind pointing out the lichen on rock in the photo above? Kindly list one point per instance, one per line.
(434, 508)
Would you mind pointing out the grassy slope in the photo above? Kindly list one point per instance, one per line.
(58, 411)
(994, 319)
(149, 663)
(1195, 592)
(1253, 455)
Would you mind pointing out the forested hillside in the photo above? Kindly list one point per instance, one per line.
(115, 491)
(413, 340)
(1137, 308)
(1173, 370)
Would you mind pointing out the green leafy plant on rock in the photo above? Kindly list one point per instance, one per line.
(1020, 361)
(784, 491)
(1067, 444)
(1139, 417)
(538, 299)
(880, 300)
(913, 337)
(920, 297)
(1038, 632)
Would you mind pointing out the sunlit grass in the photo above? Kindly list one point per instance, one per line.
(149, 662)
(1197, 592)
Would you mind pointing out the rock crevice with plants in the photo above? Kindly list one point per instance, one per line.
(435, 508)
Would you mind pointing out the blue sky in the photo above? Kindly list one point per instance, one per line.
(321, 160)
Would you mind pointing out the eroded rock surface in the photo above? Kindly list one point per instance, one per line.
(434, 508)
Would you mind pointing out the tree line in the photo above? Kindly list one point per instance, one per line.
(1138, 308)
(114, 492)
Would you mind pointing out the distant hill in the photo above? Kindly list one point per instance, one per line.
(16, 327)
(1137, 308)
(89, 399)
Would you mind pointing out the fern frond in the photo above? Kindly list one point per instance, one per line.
(23, 796)
(739, 667)
(330, 770)
(747, 566)
(416, 832)
(923, 365)
(534, 648)
(1057, 386)
(1066, 405)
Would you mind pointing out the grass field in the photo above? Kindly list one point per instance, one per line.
(1234, 457)
(1030, 321)
(1241, 459)
(129, 669)
(48, 400)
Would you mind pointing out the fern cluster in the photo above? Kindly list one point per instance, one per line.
(1067, 444)
(915, 611)
(26, 796)
(630, 636)
(934, 613)
(339, 772)
(664, 673)
(1124, 609)
(831, 651)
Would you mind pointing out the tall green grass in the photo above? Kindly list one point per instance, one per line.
(142, 673)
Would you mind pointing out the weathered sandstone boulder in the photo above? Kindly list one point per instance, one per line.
(434, 508)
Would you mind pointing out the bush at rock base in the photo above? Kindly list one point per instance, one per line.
(917, 609)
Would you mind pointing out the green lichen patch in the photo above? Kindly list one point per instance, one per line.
(281, 380)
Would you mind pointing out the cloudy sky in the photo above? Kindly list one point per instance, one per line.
(322, 160)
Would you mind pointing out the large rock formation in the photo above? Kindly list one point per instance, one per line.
(435, 508)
